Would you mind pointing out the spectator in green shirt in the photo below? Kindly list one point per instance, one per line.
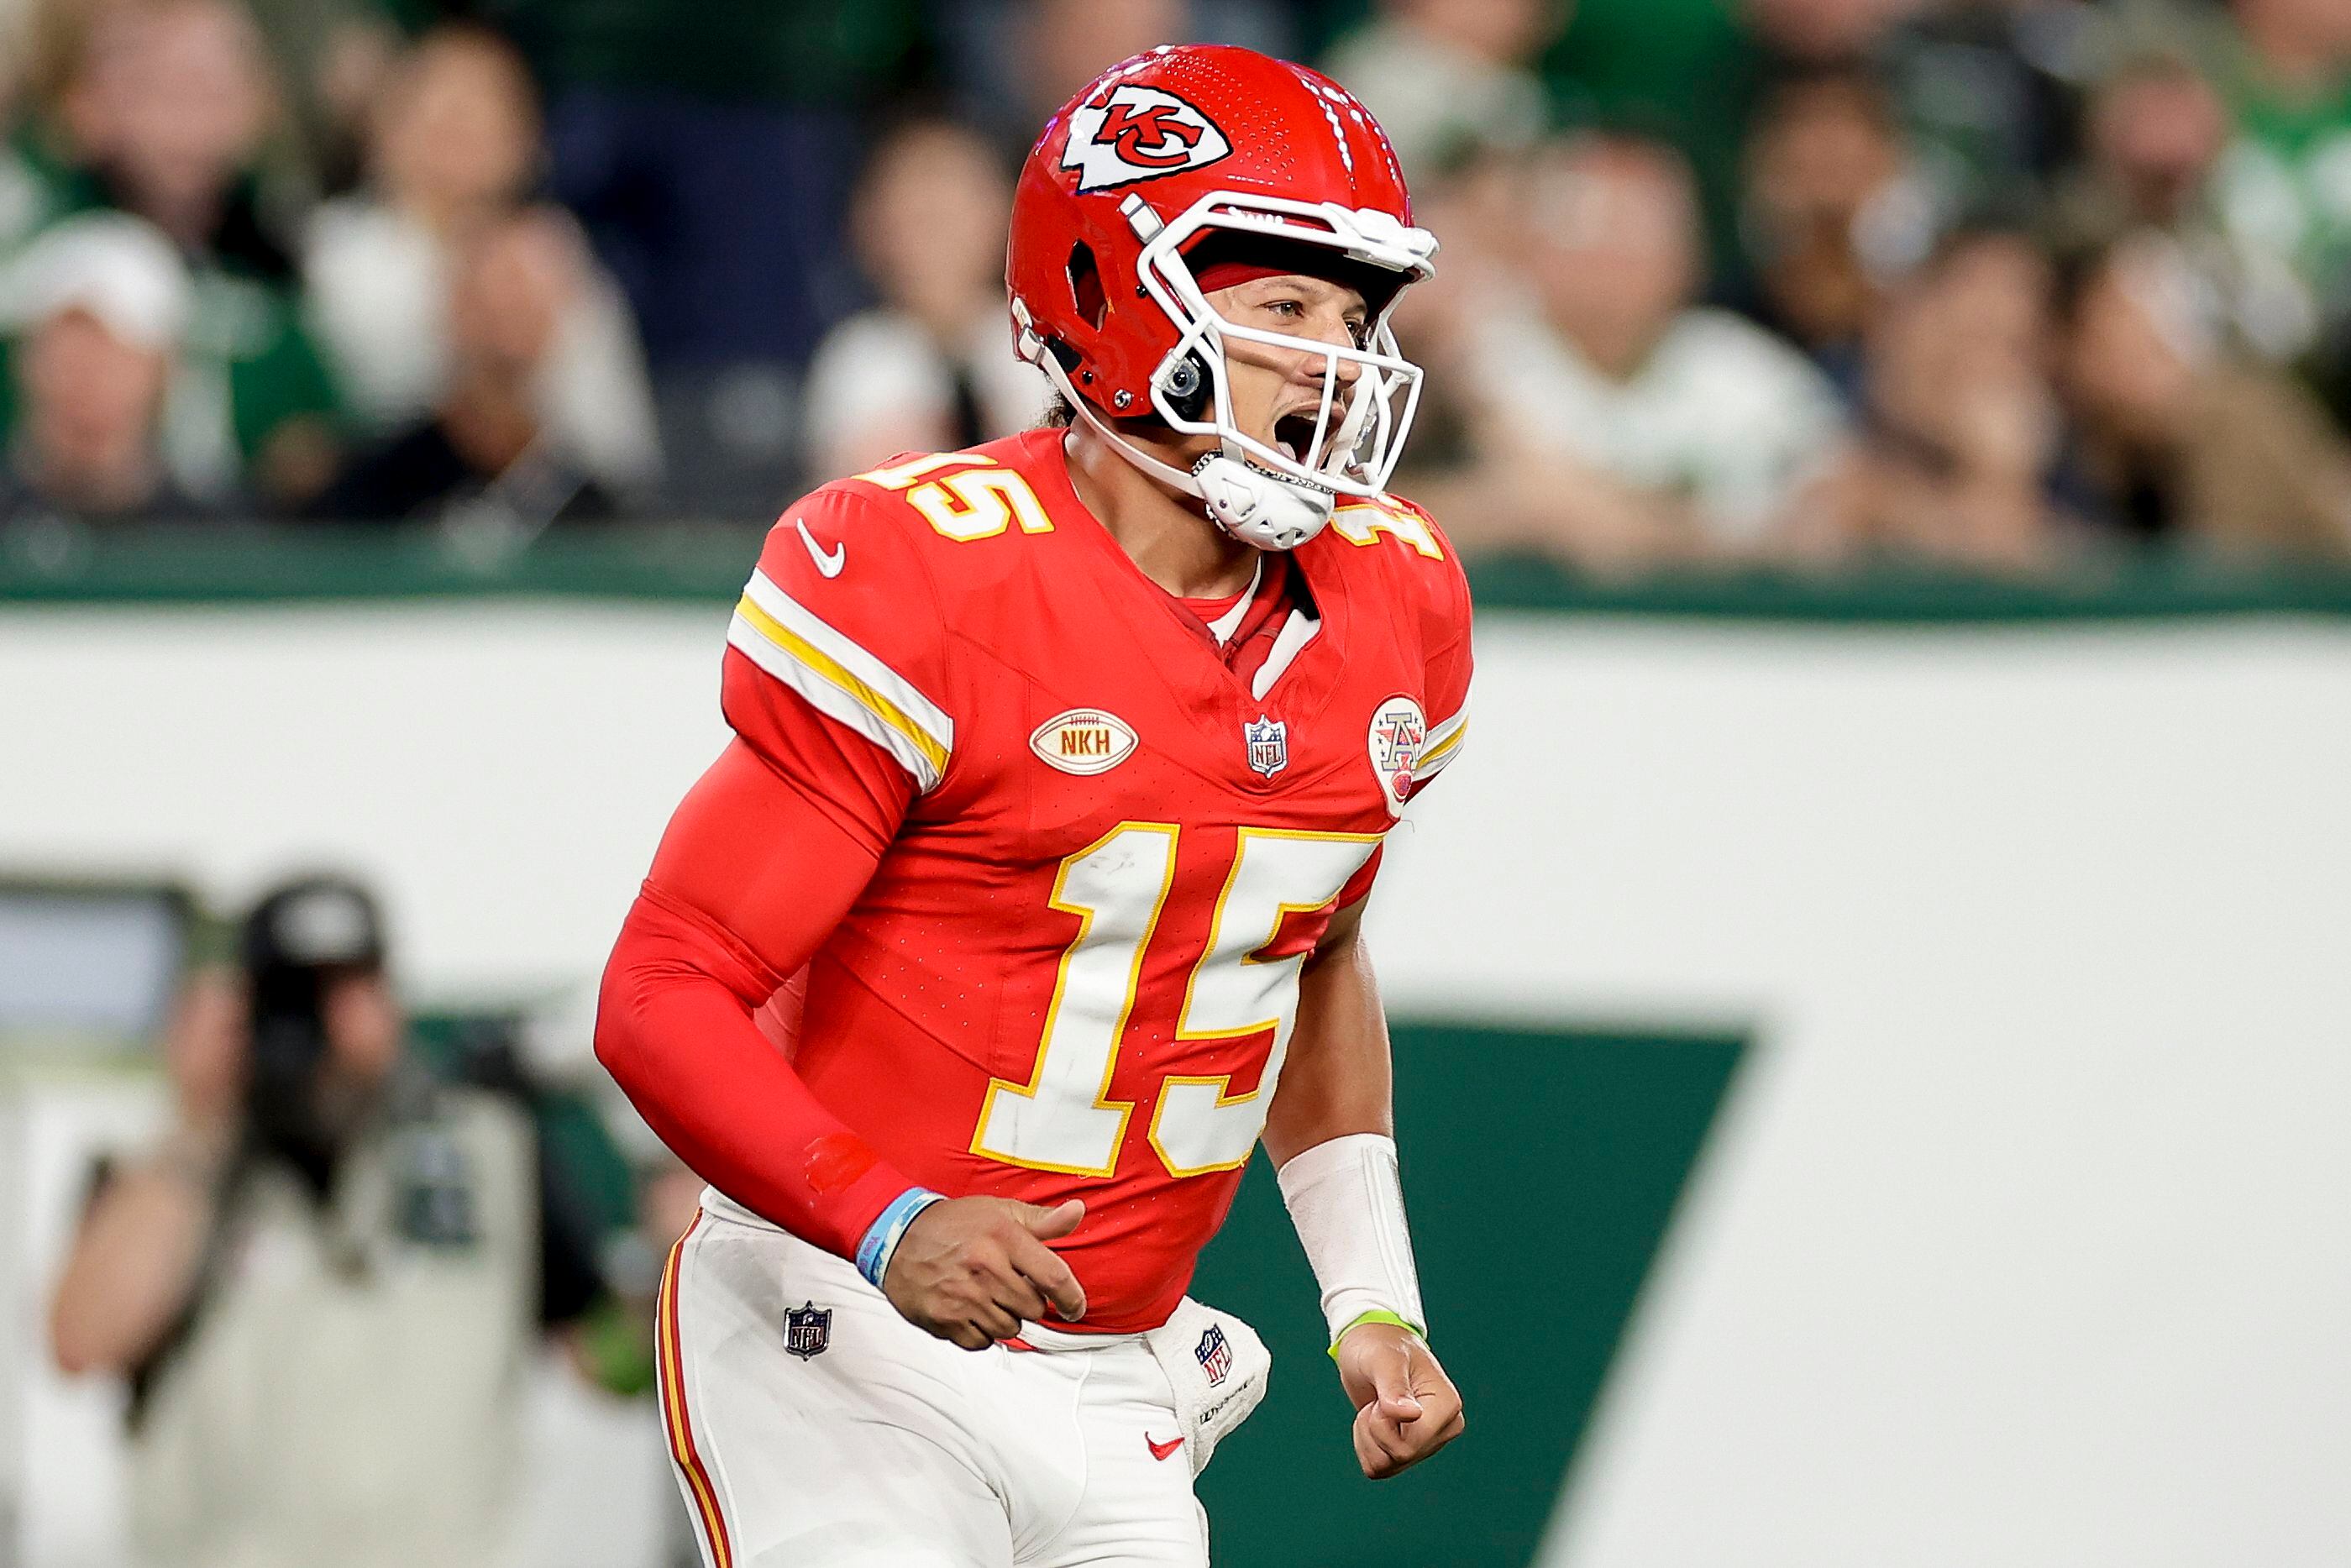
(171, 105)
(2155, 134)
(2286, 76)
(97, 308)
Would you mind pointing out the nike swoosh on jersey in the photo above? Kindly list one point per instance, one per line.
(830, 565)
(1160, 1450)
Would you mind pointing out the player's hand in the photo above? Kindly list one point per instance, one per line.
(1406, 1407)
(972, 1270)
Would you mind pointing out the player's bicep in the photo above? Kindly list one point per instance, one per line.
(1347, 920)
(755, 854)
(1336, 1079)
(1443, 593)
(834, 763)
(1448, 676)
(1446, 733)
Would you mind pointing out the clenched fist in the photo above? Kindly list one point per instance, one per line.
(1406, 1407)
(972, 1270)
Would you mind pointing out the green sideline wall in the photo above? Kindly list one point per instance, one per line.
(1876, 1090)
(1591, 1134)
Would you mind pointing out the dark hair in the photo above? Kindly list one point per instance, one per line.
(1984, 226)
(1854, 82)
(906, 123)
(2075, 271)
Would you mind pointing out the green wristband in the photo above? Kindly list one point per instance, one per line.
(1376, 1315)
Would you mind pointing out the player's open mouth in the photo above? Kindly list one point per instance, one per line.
(1293, 435)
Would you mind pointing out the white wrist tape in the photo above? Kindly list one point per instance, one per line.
(1347, 1201)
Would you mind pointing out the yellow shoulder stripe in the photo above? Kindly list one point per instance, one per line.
(815, 660)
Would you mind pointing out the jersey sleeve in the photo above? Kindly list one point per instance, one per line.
(835, 671)
(1445, 635)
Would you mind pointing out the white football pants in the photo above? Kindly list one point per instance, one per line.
(887, 1447)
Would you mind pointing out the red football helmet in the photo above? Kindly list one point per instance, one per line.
(1206, 159)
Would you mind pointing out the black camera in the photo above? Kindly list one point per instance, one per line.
(297, 941)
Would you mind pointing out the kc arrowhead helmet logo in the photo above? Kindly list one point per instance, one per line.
(1137, 132)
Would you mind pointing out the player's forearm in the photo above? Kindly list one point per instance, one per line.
(1330, 1133)
(674, 1028)
(752, 875)
(1336, 1079)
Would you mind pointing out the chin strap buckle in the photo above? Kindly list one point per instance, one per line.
(1258, 506)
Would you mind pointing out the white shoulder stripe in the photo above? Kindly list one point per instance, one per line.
(841, 679)
(1444, 744)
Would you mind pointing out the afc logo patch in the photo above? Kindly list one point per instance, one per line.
(807, 1331)
(1137, 133)
(1215, 1355)
(1399, 736)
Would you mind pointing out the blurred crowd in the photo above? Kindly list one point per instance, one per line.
(2003, 285)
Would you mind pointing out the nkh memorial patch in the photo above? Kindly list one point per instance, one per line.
(807, 1329)
(1083, 741)
(1216, 1357)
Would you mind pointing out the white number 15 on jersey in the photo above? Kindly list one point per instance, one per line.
(1063, 1119)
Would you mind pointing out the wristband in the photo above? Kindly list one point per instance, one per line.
(1375, 1316)
(889, 1228)
(1347, 1205)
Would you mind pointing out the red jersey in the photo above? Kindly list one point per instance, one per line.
(1107, 847)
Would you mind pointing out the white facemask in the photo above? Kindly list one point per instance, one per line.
(1261, 493)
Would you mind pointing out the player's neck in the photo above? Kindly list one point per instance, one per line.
(1171, 542)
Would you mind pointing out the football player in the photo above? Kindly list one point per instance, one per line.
(1027, 898)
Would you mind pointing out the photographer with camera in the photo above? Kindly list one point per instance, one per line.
(325, 1283)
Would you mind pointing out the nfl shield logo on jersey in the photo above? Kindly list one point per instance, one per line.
(1269, 745)
(1216, 1355)
(807, 1329)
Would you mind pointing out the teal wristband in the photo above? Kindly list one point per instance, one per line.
(889, 1227)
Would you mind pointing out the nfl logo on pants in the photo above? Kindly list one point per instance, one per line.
(807, 1329)
(1215, 1355)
